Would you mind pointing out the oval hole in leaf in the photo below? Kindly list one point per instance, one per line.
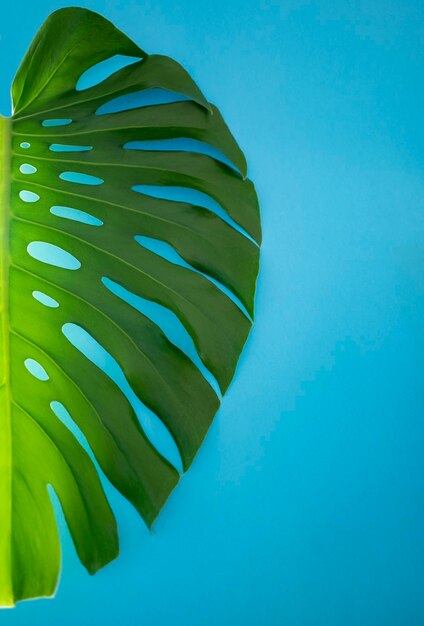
(143, 98)
(76, 215)
(29, 196)
(43, 298)
(61, 147)
(97, 73)
(36, 369)
(81, 179)
(152, 425)
(57, 122)
(25, 145)
(181, 144)
(26, 168)
(53, 255)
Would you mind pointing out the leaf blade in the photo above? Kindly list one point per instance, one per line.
(215, 237)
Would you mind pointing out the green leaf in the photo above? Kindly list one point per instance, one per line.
(210, 291)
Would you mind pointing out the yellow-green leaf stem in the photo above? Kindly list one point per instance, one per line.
(6, 585)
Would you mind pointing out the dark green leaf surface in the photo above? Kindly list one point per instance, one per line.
(36, 447)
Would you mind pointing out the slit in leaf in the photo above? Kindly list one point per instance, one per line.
(181, 144)
(169, 324)
(65, 417)
(153, 427)
(99, 72)
(191, 196)
(142, 98)
(166, 251)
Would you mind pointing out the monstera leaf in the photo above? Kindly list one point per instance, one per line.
(71, 181)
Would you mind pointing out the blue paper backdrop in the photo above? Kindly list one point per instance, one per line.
(305, 505)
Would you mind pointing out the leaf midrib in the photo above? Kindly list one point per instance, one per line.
(6, 574)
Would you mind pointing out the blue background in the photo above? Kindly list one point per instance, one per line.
(305, 505)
